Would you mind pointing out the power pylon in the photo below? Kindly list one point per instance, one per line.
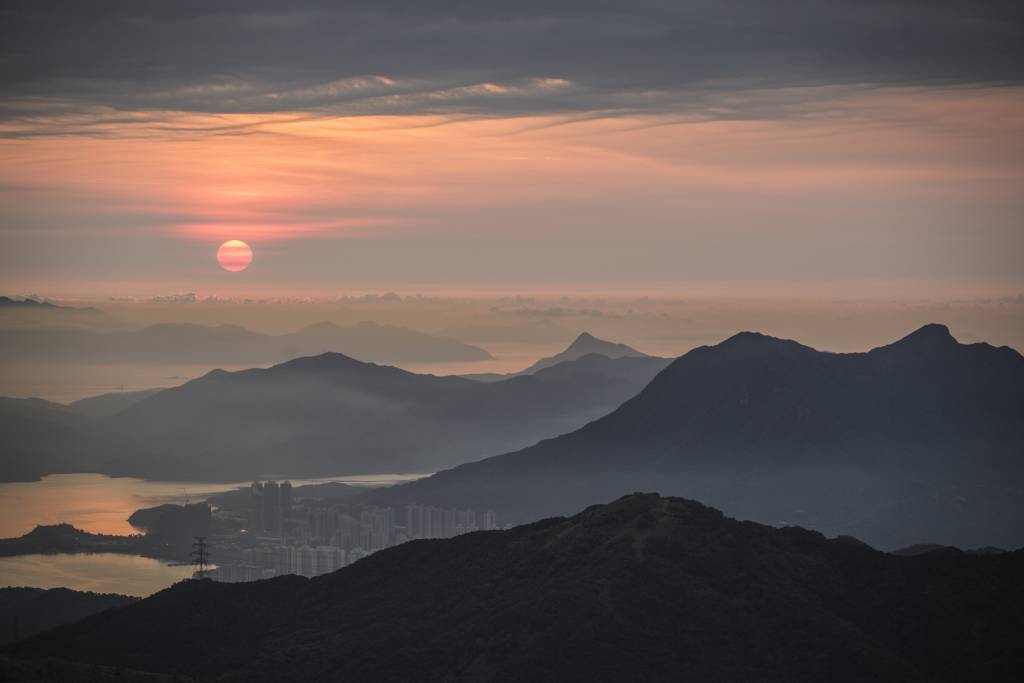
(200, 557)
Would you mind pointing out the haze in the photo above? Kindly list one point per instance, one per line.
(574, 340)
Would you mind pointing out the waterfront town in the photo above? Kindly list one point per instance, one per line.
(269, 530)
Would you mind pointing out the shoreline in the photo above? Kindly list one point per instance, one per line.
(58, 539)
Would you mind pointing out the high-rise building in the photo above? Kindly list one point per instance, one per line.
(256, 509)
(286, 500)
(272, 522)
(490, 521)
(270, 506)
(307, 561)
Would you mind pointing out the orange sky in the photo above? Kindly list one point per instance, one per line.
(852, 185)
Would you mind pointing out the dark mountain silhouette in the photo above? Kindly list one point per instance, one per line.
(59, 671)
(922, 548)
(643, 589)
(168, 343)
(29, 304)
(331, 414)
(27, 611)
(8, 302)
(36, 436)
(584, 345)
(918, 441)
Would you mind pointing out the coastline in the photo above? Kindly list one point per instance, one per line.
(66, 539)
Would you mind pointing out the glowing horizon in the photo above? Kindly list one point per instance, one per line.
(415, 186)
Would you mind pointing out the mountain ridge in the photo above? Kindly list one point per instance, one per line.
(331, 414)
(775, 431)
(585, 344)
(675, 583)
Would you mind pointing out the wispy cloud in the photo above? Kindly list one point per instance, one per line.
(486, 58)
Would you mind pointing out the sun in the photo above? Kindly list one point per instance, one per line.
(234, 255)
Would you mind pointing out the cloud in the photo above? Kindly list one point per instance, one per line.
(485, 58)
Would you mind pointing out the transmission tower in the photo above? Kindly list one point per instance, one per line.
(200, 557)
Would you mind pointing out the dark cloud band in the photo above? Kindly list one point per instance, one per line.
(486, 58)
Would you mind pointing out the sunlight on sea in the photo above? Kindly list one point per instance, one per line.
(98, 572)
(102, 504)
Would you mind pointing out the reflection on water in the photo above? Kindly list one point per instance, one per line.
(100, 572)
(93, 502)
(101, 504)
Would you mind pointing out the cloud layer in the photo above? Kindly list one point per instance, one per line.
(488, 58)
(636, 143)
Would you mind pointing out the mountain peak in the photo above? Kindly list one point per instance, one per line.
(583, 341)
(323, 362)
(931, 336)
(647, 510)
(747, 337)
(755, 341)
(587, 343)
(584, 345)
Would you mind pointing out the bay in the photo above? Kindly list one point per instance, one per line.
(102, 504)
(98, 572)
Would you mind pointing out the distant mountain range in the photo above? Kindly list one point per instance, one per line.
(171, 343)
(8, 302)
(918, 441)
(28, 304)
(584, 345)
(314, 416)
(643, 589)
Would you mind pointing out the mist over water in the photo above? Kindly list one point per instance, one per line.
(514, 330)
(67, 383)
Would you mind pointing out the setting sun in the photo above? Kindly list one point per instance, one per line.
(234, 255)
(725, 293)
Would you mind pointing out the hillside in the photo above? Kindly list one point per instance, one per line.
(27, 611)
(105, 405)
(331, 414)
(646, 588)
(918, 441)
(36, 437)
